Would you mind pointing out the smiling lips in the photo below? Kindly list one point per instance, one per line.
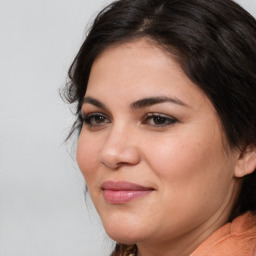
(122, 192)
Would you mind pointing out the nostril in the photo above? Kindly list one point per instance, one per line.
(110, 164)
(113, 159)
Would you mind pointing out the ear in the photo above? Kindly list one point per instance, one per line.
(246, 163)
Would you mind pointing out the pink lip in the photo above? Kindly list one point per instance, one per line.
(120, 192)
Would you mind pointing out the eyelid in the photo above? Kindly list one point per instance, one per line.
(87, 119)
(171, 120)
(88, 113)
(90, 109)
(94, 114)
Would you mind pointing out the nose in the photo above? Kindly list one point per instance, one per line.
(120, 148)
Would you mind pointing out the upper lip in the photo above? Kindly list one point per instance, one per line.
(123, 186)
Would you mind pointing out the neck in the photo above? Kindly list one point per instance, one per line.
(184, 244)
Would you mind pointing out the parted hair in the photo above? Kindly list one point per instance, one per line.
(213, 41)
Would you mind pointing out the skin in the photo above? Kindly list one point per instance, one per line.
(184, 160)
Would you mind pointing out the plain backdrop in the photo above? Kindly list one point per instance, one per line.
(42, 203)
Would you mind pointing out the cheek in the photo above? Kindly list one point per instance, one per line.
(86, 156)
(176, 155)
(190, 167)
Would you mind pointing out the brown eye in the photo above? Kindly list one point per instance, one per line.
(99, 119)
(159, 120)
(95, 119)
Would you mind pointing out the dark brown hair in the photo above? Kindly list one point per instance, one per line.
(214, 41)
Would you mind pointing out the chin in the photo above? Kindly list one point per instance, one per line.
(123, 239)
(125, 231)
(125, 236)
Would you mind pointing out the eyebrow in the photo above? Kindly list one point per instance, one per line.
(94, 102)
(156, 100)
(142, 103)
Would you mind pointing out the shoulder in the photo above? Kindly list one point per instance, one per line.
(233, 239)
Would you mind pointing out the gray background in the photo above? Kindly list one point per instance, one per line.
(42, 206)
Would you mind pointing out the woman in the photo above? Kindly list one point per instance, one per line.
(165, 93)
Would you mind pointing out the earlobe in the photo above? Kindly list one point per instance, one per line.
(246, 164)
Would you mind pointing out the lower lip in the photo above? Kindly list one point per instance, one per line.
(121, 197)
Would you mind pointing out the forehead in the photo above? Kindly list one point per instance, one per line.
(139, 67)
(127, 73)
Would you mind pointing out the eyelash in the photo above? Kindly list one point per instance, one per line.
(166, 120)
(88, 119)
(160, 120)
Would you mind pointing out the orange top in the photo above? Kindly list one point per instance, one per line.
(237, 238)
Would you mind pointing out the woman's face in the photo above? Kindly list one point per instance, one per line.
(151, 149)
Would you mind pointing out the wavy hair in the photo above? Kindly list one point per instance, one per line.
(214, 42)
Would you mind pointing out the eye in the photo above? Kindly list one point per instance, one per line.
(159, 120)
(95, 119)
